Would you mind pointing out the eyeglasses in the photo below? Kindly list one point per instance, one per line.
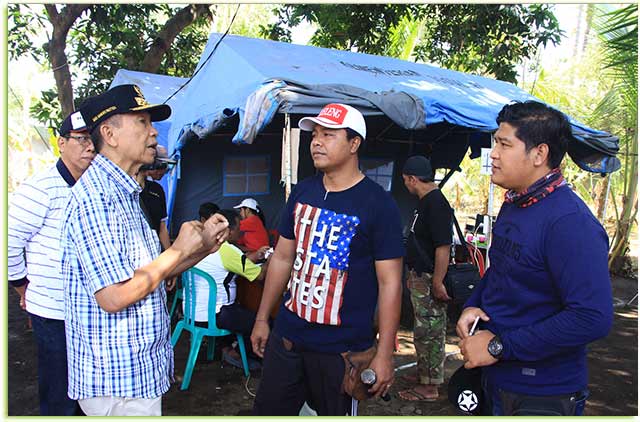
(82, 139)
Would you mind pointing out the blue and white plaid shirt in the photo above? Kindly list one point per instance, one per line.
(105, 238)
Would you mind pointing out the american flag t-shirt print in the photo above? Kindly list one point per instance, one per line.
(320, 269)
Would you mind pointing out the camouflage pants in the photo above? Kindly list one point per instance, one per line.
(430, 328)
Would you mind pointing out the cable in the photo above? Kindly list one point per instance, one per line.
(55, 69)
(208, 57)
(246, 386)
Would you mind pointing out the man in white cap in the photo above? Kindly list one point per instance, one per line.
(119, 351)
(35, 211)
(340, 256)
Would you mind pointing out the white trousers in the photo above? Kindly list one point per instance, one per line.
(121, 406)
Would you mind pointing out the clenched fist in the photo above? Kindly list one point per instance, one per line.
(216, 231)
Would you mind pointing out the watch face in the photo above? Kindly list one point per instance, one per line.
(495, 347)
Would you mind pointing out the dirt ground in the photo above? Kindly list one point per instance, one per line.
(218, 389)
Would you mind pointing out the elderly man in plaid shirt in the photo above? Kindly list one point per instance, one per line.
(120, 359)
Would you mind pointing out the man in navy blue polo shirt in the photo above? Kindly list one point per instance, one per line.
(339, 256)
(547, 293)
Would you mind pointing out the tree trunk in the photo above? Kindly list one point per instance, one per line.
(61, 23)
(169, 32)
(600, 200)
(629, 200)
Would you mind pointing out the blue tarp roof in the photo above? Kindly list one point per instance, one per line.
(253, 79)
(256, 78)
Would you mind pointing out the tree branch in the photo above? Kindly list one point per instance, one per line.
(168, 33)
(62, 22)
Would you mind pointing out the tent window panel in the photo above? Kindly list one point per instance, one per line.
(235, 185)
(259, 165)
(246, 175)
(380, 170)
(257, 184)
(235, 166)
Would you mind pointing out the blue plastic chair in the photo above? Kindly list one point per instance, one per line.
(176, 296)
(198, 333)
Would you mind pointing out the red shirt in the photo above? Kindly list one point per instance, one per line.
(254, 234)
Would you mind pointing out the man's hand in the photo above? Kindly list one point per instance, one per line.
(257, 255)
(474, 349)
(22, 290)
(259, 337)
(189, 240)
(170, 283)
(383, 367)
(216, 231)
(466, 320)
(440, 292)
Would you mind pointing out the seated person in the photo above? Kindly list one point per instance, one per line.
(252, 225)
(224, 266)
(206, 210)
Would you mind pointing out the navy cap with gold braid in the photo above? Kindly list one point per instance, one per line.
(121, 99)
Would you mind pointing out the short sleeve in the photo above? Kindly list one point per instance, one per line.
(28, 208)
(236, 262)
(440, 222)
(387, 230)
(97, 234)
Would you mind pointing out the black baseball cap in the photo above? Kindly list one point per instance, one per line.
(121, 99)
(419, 166)
(73, 122)
(465, 391)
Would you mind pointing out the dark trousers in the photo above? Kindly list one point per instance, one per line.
(289, 377)
(237, 319)
(506, 403)
(52, 367)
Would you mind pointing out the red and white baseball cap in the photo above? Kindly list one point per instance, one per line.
(336, 116)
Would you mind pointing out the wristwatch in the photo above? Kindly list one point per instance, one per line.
(495, 347)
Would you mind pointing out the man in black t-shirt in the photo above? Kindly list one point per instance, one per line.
(428, 252)
(152, 198)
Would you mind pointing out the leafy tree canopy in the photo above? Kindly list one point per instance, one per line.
(103, 38)
(486, 39)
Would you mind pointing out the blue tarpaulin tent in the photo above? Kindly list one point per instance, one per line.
(243, 86)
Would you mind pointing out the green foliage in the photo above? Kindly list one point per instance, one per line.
(618, 32)
(485, 39)
(248, 22)
(364, 27)
(105, 38)
(25, 25)
(118, 36)
(46, 109)
(488, 39)
(599, 86)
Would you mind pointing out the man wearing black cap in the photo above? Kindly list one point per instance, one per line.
(119, 351)
(428, 251)
(339, 256)
(35, 212)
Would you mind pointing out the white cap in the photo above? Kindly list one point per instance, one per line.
(336, 116)
(248, 203)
